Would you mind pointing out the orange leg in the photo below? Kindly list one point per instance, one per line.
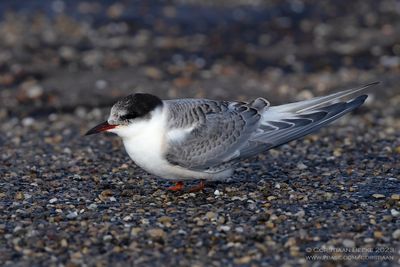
(177, 187)
(197, 188)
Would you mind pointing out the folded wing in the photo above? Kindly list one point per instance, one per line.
(210, 136)
(206, 134)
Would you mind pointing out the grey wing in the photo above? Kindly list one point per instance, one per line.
(215, 131)
(283, 124)
(222, 133)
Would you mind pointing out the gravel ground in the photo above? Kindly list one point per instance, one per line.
(69, 200)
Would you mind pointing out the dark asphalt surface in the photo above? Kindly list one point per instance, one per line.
(332, 198)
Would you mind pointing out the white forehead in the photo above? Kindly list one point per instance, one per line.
(116, 112)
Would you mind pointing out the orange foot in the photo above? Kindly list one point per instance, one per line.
(177, 187)
(197, 188)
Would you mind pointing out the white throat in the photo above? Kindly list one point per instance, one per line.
(144, 140)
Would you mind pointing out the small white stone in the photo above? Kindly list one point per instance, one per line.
(182, 232)
(217, 193)
(145, 221)
(35, 91)
(348, 243)
(300, 213)
(113, 199)
(396, 234)
(17, 229)
(277, 185)
(301, 166)
(53, 200)
(28, 121)
(92, 206)
(53, 117)
(368, 240)
(127, 218)
(239, 229)
(107, 237)
(395, 213)
(72, 215)
(238, 198)
(225, 228)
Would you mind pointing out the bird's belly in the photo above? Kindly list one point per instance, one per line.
(148, 156)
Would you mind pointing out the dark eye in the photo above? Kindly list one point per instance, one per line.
(128, 116)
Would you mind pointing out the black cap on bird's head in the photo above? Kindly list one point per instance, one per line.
(131, 107)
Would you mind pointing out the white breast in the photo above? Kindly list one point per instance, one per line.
(144, 142)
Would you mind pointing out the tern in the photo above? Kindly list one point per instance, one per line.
(186, 139)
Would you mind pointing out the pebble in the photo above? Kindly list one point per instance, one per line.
(17, 229)
(156, 233)
(368, 240)
(64, 243)
(182, 232)
(72, 215)
(270, 225)
(19, 196)
(35, 91)
(294, 251)
(378, 196)
(166, 220)
(328, 195)
(92, 206)
(210, 215)
(26, 122)
(395, 213)
(106, 194)
(300, 213)
(243, 260)
(135, 231)
(144, 221)
(395, 196)
(127, 218)
(348, 243)
(107, 238)
(238, 198)
(239, 229)
(396, 234)
(53, 200)
(337, 152)
(153, 73)
(301, 166)
(217, 192)
(225, 228)
(378, 234)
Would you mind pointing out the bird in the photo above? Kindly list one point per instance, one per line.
(203, 139)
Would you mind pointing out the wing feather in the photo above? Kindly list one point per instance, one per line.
(211, 136)
(220, 129)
